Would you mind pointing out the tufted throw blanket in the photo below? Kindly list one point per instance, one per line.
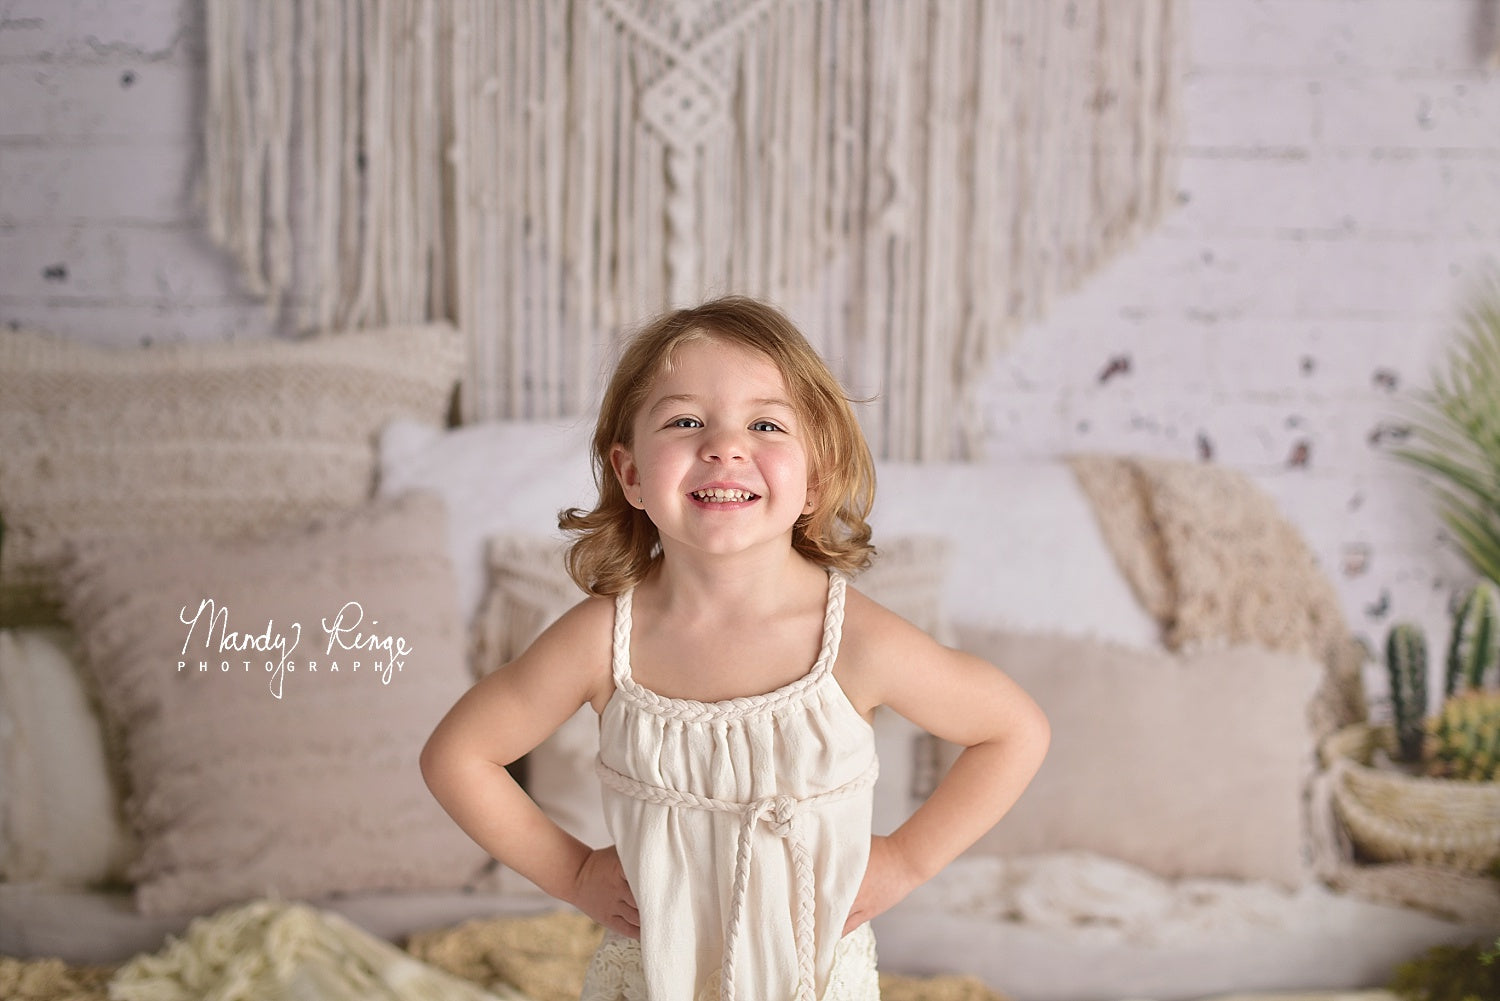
(293, 952)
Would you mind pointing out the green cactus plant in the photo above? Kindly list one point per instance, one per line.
(1464, 738)
(1475, 646)
(1406, 662)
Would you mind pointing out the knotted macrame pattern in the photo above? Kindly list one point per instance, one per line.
(912, 180)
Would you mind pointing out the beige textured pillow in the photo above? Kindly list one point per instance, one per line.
(236, 792)
(1183, 765)
(209, 440)
(1211, 556)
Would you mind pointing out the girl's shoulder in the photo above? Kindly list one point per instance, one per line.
(578, 645)
(586, 629)
(878, 644)
(870, 627)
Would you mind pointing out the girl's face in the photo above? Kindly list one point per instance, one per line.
(719, 461)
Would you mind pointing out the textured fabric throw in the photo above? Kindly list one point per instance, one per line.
(269, 949)
(912, 181)
(292, 952)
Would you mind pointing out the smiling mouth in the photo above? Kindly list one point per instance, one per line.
(719, 496)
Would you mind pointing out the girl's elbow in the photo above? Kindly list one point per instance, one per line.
(1038, 733)
(435, 760)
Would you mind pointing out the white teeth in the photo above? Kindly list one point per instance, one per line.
(719, 495)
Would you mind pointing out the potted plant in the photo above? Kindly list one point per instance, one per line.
(1456, 435)
(1427, 788)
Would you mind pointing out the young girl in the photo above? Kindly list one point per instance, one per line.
(735, 673)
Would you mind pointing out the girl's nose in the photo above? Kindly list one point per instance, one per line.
(724, 445)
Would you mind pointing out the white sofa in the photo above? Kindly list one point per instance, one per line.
(1163, 852)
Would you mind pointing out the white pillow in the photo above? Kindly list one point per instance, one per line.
(496, 478)
(60, 821)
(1026, 549)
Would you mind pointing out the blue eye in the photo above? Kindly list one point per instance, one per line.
(686, 422)
(765, 426)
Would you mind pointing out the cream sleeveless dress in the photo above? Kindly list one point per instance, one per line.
(744, 829)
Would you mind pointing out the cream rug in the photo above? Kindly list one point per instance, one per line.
(546, 958)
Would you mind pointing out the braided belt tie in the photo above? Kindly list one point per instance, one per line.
(779, 814)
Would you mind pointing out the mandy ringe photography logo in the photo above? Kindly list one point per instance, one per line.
(343, 633)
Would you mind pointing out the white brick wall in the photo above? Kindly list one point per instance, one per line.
(1340, 186)
(98, 152)
(1340, 190)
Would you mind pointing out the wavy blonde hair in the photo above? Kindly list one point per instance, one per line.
(615, 544)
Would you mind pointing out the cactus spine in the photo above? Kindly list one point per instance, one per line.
(1476, 639)
(1406, 661)
(1464, 738)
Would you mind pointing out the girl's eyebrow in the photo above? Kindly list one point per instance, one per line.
(675, 398)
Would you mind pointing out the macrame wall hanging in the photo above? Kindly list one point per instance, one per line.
(912, 180)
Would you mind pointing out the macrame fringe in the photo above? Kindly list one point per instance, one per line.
(913, 181)
(324, 150)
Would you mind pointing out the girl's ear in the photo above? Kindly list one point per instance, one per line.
(811, 503)
(622, 461)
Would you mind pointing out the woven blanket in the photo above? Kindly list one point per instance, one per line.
(293, 952)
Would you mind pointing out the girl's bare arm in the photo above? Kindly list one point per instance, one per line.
(497, 721)
(961, 699)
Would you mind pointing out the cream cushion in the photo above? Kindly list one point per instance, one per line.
(208, 440)
(1183, 765)
(302, 781)
(60, 821)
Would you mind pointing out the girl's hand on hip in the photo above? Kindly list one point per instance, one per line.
(889, 877)
(602, 892)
